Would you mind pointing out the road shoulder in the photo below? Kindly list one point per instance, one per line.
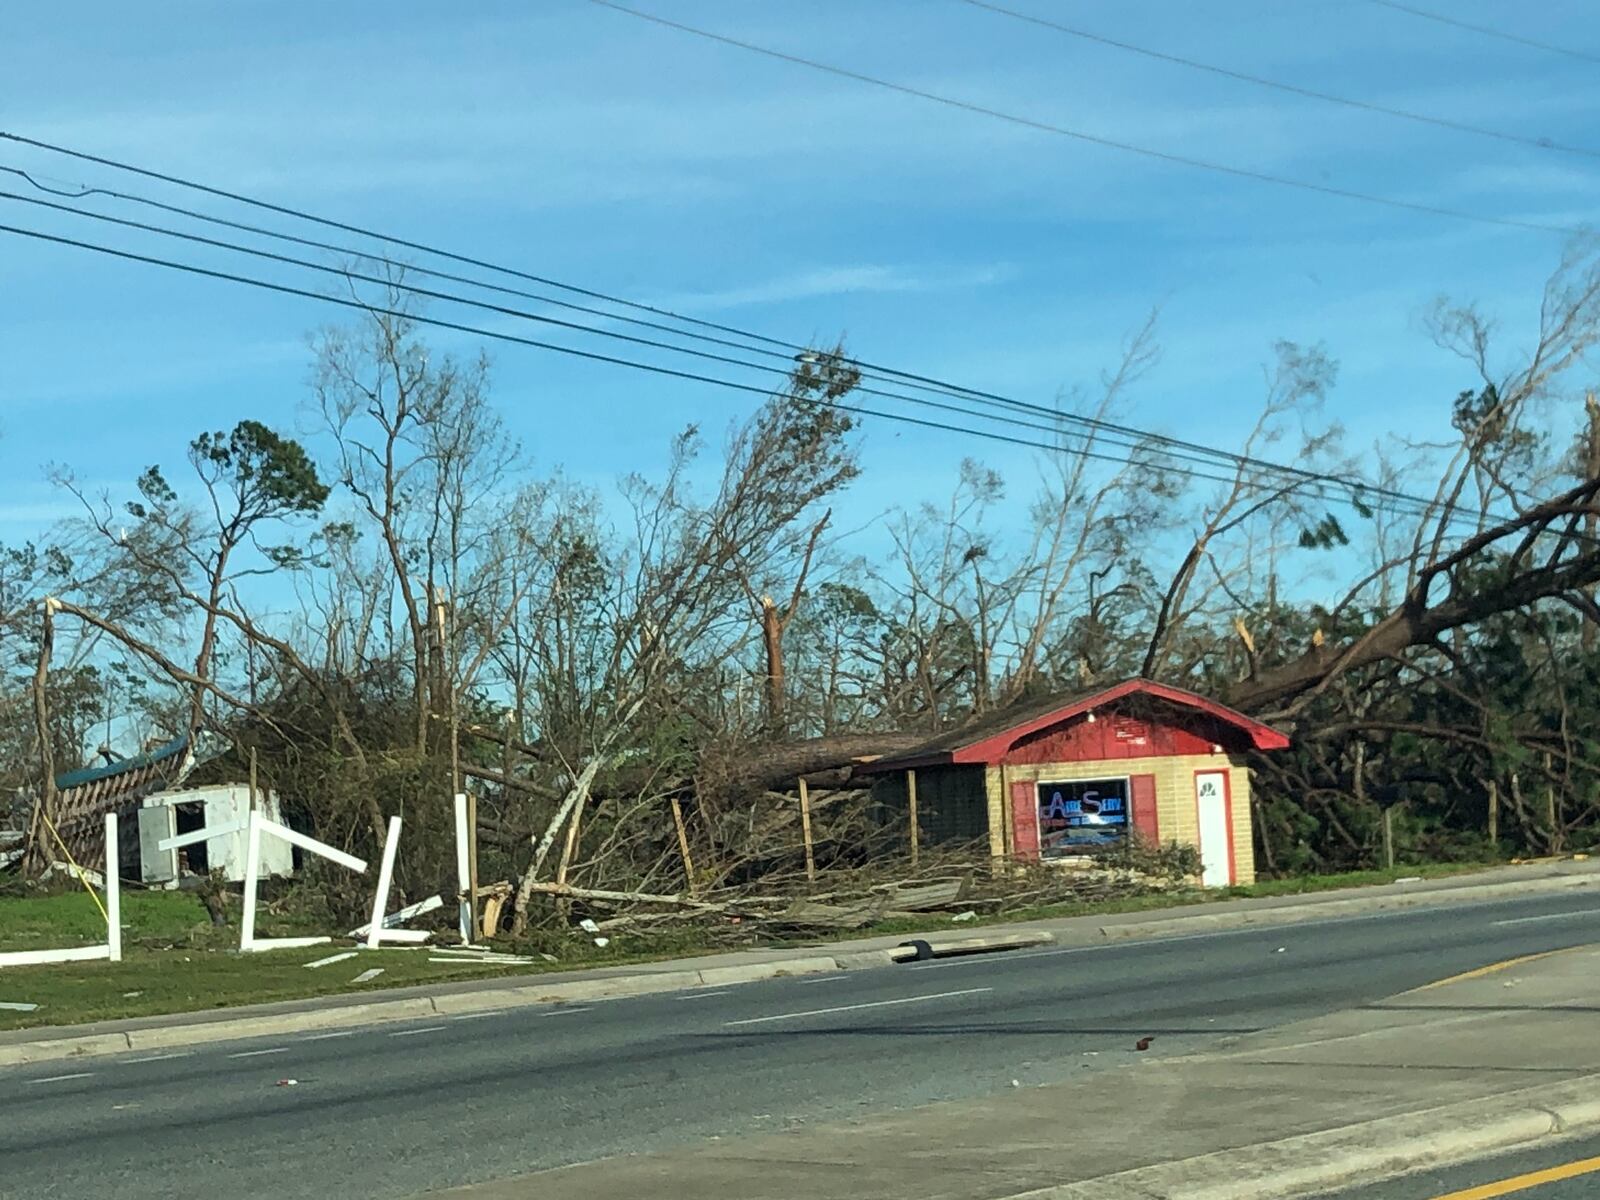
(1427, 1078)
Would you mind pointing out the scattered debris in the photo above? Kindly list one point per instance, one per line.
(1410, 879)
(331, 959)
(1143, 1043)
(588, 926)
(131, 995)
(969, 915)
(1016, 1083)
(368, 975)
(401, 916)
(19, 1006)
(288, 1082)
(1280, 949)
(493, 898)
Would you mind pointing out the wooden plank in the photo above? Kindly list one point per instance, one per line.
(911, 812)
(805, 830)
(683, 843)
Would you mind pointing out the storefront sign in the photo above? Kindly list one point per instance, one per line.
(1082, 814)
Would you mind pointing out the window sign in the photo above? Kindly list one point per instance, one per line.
(1078, 817)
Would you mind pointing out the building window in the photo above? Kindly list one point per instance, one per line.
(1081, 816)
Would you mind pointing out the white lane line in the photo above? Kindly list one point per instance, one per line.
(835, 978)
(1566, 916)
(259, 1053)
(323, 1037)
(414, 1032)
(822, 1012)
(703, 995)
(478, 1016)
(159, 1057)
(565, 1010)
(63, 1078)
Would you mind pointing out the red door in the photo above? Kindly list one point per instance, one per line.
(1142, 800)
(1024, 820)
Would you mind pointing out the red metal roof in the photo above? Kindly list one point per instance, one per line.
(988, 740)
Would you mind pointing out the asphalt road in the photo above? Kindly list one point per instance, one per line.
(394, 1110)
(1515, 1175)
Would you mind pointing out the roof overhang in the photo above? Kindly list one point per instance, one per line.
(995, 746)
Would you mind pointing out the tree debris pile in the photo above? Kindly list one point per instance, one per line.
(955, 881)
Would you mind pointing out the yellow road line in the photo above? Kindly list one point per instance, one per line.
(1479, 972)
(1519, 1183)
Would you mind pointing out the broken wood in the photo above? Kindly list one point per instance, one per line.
(582, 893)
(805, 831)
(683, 845)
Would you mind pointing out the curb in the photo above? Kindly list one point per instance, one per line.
(534, 991)
(409, 1008)
(1355, 1154)
(1290, 914)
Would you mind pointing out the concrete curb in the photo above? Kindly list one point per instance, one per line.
(1290, 914)
(1355, 1154)
(410, 1008)
(513, 995)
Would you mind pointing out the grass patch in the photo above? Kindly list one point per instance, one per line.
(177, 961)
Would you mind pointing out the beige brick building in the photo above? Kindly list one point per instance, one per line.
(1075, 775)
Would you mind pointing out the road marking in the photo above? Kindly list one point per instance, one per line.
(322, 1037)
(1566, 916)
(478, 1016)
(414, 1032)
(703, 995)
(63, 1078)
(564, 1010)
(159, 1057)
(822, 979)
(1492, 968)
(822, 1012)
(1520, 1183)
(259, 1053)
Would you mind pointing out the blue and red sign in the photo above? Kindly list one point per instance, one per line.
(1082, 814)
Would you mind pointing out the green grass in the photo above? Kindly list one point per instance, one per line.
(176, 961)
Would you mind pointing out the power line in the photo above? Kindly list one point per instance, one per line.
(1537, 143)
(1094, 139)
(1211, 458)
(1488, 31)
(1099, 425)
(1093, 423)
(1319, 491)
(1177, 448)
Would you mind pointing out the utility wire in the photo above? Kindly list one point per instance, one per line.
(1292, 89)
(1488, 31)
(869, 369)
(1217, 458)
(1304, 185)
(1319, 491)
(1109, 433)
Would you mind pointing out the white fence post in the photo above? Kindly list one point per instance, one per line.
(380, 901)
(463, 873)
(113, 889)
(252, 867)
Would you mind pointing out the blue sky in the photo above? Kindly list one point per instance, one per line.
(581, 144)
